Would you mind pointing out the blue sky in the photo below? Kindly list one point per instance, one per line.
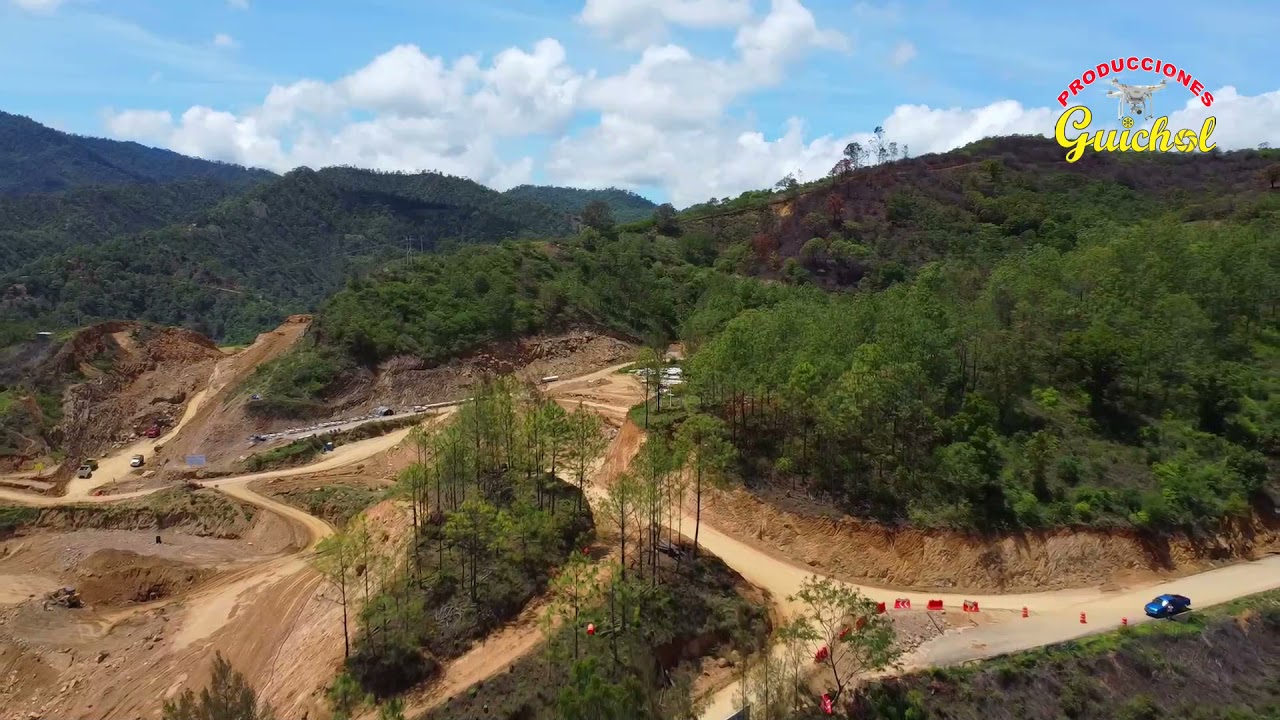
(78, 64)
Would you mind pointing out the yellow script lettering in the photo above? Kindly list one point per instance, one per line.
(1075, 147)
(1205, 131)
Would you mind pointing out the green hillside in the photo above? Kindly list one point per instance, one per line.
(238, 267)
(41, 224)
(627, 206)
(1031, 344)
(35, 158)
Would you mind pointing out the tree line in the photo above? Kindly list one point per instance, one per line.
(1130, 380)
(490, 520)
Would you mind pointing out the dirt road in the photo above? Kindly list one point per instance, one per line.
(1061, 621)
(115, 467)
(344, 456)
(1055, 614)
(262, 617)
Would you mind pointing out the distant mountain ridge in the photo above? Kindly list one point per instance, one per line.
(94, 229)
(35, 158)
(231, 265)
(627, 206)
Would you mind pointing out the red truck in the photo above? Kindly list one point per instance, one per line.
(153, 431)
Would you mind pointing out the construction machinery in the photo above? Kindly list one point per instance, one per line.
(67, 597)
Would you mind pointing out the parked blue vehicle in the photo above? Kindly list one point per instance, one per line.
(1166, 606)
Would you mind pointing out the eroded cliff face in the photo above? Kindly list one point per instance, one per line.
(912, 558)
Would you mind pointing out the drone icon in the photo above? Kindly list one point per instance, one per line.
(1138, 97)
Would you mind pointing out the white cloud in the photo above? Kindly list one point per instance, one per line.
(239, 4)
(903, 53)
(405, 81)
(672, 88)
(669, 86)
(928, 129)
(38, 5)
(1243, 121)
(786, 33)
(637, 23)
(224, 40)
(426, 115)
(525, 93)
(692, 164)
(138, 124)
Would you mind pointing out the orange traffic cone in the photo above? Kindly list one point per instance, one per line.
(1082, 620)
(1025, 613)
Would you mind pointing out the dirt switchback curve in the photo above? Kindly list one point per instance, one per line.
(262, 617)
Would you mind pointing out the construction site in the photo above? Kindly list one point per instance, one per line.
(117, 589)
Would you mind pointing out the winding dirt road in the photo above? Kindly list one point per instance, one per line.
(1055, 615)
(220, 617)
(269, 618)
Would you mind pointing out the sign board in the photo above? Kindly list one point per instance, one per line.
(195, 461)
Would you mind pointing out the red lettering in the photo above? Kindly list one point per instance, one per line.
(1133, 62)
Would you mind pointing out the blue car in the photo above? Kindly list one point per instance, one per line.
(1166, 606)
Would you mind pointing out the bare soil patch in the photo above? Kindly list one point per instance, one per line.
(118, 577)
(147, 376)
(407, 381)
(220, 429)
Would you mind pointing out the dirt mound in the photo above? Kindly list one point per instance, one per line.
(621, 452)
(118, 577)
(201, 513)
(405, 381)
(917, 559)
(177, 345)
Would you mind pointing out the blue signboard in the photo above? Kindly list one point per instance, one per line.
(195, 460)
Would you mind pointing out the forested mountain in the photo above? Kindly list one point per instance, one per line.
(874, 226)
(94, 229)
(238, 267)
(35, 158)
(1031, 344)
(627, 206)
(471, 210)
(40, 224)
